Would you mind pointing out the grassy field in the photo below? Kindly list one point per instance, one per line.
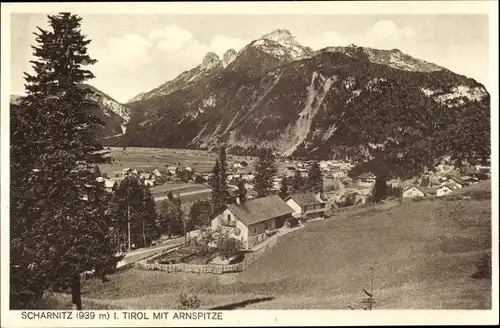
(161, 158)
(176, 188)
(150, 158)
(425, 255)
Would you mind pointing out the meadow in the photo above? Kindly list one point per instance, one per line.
(150, 158)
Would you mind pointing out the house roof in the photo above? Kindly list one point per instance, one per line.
(457, 179)
(260, 209)
(449, 186)
(304, 198)
(366, 176)
(428, 190)
(425, 190)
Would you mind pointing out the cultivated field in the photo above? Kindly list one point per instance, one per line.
(177, 189)
(150, 158)
(429, 254)
(161, 158)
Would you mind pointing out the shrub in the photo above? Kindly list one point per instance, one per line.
(187, 302)
(228, 247)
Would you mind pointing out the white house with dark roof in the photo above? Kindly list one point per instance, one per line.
(109, 184)
(454, 182)
(444, 190)
(419, 192)
(307, 205)
(249, 221)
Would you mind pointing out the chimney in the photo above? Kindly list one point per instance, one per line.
(238, 200)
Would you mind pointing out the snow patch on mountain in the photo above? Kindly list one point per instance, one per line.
(456, 96)
(462, 91)
(209, 102)
(372, 84)
(427, 92)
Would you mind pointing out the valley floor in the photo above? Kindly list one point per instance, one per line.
(429, 254)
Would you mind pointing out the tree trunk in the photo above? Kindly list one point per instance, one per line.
(76, 297)
(144, 232)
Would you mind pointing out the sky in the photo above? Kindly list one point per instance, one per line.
(138, 52)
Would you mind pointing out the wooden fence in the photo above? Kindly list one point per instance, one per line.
(250, 258)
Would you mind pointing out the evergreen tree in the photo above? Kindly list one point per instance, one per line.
(285, 188)
(59, 225)
(223, 173)
(150, 228)
(265, 171)
(315, 179)
(170, 217)
(380, 190)
(218, 183)
(200, 214)
(242, 190)
(214, 183)
(298, 183)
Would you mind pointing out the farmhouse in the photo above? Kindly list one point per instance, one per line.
(366, 179)
(418, 191)
(454, 181)
(444, 190)
(471, 180)
(306, 205)
(109, 184)
(149, 182)
(323, 165)
(172, 169)
(156, 173)
(251, 221)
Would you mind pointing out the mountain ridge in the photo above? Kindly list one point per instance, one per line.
(277, 93)
(271, 97)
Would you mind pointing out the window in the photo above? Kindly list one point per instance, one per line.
(254, 230)
(229, 217)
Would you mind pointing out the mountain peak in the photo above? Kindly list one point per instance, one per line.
(228, 57)
(281, 36)
(210, 60)
(288, 48)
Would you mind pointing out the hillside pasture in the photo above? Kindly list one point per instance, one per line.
(425, 255)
